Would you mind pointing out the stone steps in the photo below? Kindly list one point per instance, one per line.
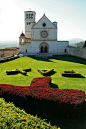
(42, 54)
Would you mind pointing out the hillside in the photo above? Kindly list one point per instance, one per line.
(78, 45)
(8, 44)
(75, 40)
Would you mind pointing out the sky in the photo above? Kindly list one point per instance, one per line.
(70, 15)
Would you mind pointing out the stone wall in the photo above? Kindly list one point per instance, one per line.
(80, 52)
(8, 51)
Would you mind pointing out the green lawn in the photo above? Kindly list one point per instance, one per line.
(60, 63)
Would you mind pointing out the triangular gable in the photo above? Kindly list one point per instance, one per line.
(45, 20)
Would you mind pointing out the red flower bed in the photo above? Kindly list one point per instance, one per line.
(39, 95)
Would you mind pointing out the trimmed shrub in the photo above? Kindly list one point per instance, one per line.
(71, 73)
(24, 71)
(21, 71)
(8, 59)
(2, 61)
(10, 118)
(45, 72)
(40, 96)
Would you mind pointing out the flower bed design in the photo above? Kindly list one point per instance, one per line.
(24, 71)
(45, 72)
(40, 96)
(71, 73)
(21, 71)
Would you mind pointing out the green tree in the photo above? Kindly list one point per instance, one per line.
(84, 44)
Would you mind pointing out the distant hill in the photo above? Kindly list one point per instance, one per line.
(75, 40)
(78, 45)
(8, 44)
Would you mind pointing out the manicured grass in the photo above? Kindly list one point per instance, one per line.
(43, 63)
(60, 63)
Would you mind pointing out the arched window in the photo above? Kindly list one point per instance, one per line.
(23, 40)
(26, 15)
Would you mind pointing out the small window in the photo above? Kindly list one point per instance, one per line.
(26, 50)
(27, 23)
(44, 24)
(30, 16)
(26, 15)
(21, 40)
(65, 50)
(29, 40)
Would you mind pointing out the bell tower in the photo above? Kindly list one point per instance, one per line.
(29, 22)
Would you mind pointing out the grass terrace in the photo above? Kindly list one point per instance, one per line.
(58, 63)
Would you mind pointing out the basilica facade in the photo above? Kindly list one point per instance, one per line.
(40, 37)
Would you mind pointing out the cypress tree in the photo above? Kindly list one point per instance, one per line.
(84, 44)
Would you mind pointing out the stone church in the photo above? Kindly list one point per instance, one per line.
(40, 37)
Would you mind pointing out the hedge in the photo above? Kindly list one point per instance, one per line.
(12, 117)
(45, 72)
(24, 71)
(71, 73)
(40, 96)
(8, 59)
(21, 71)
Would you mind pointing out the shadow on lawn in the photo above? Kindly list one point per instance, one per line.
(46, 59)
(51, 73)
(64, 58)
(70, 58)
(48, 74)
(74, 77)
(52, 85)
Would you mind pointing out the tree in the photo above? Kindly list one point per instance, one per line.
(84, 44)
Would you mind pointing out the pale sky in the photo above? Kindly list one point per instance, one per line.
(70, 15)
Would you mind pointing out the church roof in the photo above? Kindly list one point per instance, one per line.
(44, 17)
(22, 34)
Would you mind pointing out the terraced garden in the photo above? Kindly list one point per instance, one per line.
(60, 63)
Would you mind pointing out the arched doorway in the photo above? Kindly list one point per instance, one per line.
(46, 49)
(43, 48)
